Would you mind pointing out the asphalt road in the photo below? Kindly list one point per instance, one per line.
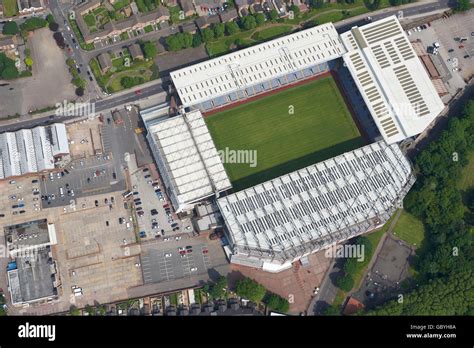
(408, 12)
(100, 105)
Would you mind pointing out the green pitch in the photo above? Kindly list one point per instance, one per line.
(289, 130)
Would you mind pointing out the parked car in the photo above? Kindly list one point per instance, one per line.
(154, 212)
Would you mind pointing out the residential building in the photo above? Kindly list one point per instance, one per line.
(207, 21)
(188, 7)
(188, 28)
(105, 62)
(30, 6)
(136, 51)
(208, 7)
(115, 28)
(228, 15)
(7, 43)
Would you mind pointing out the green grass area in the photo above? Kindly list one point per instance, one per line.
(110, 81)
(119, 4)
(467, 180)
(409, 229)
(271, 32)
(90, 20)
(320, 127)
(174, 299)
(10, 8)
(124, 36)
(148, 29)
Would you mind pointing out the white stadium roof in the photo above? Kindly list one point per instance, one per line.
(257, 64)
(306, 210)
(395, 86)
(187, 158)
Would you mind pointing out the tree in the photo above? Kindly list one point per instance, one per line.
(149, 49)
(231, 28)
(8, 70)
(372, 5)
(295, 9)
(462, 5)
(219, 30)
(317, 3)
(452, 295)
(250, 289)
(248, 22)
(217, 290)
(277, 303)
(74, 311)
(89, 309)
(29, 62)
(260, 19)
(50, 18)
(172, 43)
(197, 41)
(10, 28)
(207, 35)
(239, 42)
(345, 283)
(273, 15)
(79, 91)
(53, 26)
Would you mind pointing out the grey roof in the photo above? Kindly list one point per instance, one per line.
(104, 60)
(204, 21)
(135, 51)
(228, 15)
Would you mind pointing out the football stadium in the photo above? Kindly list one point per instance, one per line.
(318, 179)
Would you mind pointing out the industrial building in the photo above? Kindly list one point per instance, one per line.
(186, 157)
(391, 78)
(32, 150)
(32, 273)
(279, 221)
(248, 72)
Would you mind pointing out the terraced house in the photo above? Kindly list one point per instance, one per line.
(111, 28)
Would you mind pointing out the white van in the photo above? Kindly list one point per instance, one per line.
(61, 192)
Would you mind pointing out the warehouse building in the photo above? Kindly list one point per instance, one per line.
(32, 150)
(186, 156)
(248, 72)
(32, 272)
(275, 223)
(396, 88)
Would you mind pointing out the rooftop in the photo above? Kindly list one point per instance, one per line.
(33, 279)
(392, 80)
(272, 59)
(308, 209)
(187, 155)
